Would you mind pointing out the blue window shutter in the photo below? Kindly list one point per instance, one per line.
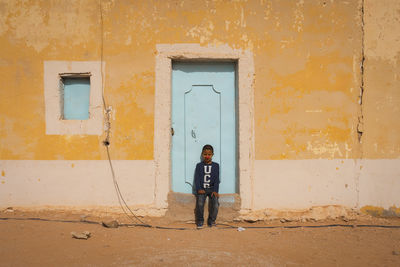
(76, 98)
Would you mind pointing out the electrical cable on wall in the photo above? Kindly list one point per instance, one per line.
(124, 206)
(106, 142)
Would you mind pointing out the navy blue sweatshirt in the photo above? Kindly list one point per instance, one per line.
(206, 176)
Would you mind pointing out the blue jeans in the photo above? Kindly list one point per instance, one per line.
(213, 206)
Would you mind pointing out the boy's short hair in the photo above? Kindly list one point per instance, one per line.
(208, 147)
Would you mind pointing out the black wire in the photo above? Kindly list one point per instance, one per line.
(119, 194)
(106, 142)
(316, 226)
(92, 222)
(227, 226)
(48, 220)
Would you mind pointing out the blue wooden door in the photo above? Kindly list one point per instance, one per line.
(203, 112)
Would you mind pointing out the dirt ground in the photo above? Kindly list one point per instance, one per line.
(27, 242)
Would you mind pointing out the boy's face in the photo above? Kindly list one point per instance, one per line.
(207, 155)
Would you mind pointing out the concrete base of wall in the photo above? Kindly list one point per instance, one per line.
(278, 185)
(77, 184)
(317, 213)
(300, 184)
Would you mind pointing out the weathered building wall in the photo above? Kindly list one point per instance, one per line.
(380, 179)
(307, 107)
(314, 142)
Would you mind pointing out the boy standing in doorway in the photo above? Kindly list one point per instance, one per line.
(206, 180)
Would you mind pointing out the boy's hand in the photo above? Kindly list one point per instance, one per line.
(201, 191)
(214, 194)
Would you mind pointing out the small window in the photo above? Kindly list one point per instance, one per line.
(73, 97)
(76, 95)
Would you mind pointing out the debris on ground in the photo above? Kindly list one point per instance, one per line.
(84, 235)
(110, 224)
(9, 209)
(313, 214)
(265, 243)
(240, 229)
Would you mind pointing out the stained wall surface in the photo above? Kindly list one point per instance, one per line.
(326, 98)
(379, 182)
(381, 99)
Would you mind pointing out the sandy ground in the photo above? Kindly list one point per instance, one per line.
(26, 242)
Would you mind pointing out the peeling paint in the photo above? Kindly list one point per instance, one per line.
(321, 149)
(381, 212)
(383, 38)
(381, 102)
(64, 24)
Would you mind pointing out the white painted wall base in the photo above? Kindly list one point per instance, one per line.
(380, 183)
(284, 184)
(299, 184)
(75, 182)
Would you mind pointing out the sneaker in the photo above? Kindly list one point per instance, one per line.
(199, 226)
(212, 224)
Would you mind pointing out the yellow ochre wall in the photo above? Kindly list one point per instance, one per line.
(381, 107)
(307, 71)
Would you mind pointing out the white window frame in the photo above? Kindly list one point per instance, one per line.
(166, 53)
(53, 73)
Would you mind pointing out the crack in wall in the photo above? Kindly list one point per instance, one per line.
(360, 123)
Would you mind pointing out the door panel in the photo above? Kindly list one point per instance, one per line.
(203, 112)
(202, 125)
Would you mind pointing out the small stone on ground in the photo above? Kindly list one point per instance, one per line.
(84, 235)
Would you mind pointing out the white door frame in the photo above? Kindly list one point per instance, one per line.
(166, 53)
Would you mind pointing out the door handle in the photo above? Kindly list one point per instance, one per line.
(193, 134)
(172, 131)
